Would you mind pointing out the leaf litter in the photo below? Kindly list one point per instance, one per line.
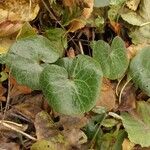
(115, 34)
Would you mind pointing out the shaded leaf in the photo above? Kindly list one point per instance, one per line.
(112, 141)
(27, 57)
(140, 69)
(93, 126)
(138, 124)
(113, 59)
(58, 39)
(75, 84)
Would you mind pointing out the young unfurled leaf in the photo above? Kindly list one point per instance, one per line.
(27, 57)
(138, 125)
(113, 59)
(140, 69)
(73, 87)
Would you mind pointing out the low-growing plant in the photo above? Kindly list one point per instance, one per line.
(72, 85)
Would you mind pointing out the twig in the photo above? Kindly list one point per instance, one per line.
(5, 123)
(116, 90)
(115, 115)
(120, 95)
(81, 48)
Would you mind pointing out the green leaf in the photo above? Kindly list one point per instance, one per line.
(116, 2)
(109, 122)
(26, 30)
(93, 126)
(3, 76)
(111, 141)
(101, 3)
(113, 60)
(73, 87)
(140, 69)
(133, 18)
(138, 124)
(27, 58)
(144, 9)
(141, 34)
(58, 39)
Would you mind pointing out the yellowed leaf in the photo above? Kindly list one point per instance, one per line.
(14, 10)
(68, 3)
(5, 43)
(133, 4)
(127, 145)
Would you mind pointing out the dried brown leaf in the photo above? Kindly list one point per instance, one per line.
(128, 98)
(75, 138)
(107, 98)
(70, 122)
(9, 146)
(27, 110)
(45, 127)
(17, 89)
(80, 22)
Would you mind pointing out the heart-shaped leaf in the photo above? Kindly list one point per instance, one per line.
(140, 69)
(113, 59)
(27, 58)
(138, 124)
(73, 87)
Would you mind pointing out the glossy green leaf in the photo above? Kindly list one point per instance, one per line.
(58, 39)
(113, 59)
(140, 69)
(27, 58)
(138, 124)
(73, 87)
